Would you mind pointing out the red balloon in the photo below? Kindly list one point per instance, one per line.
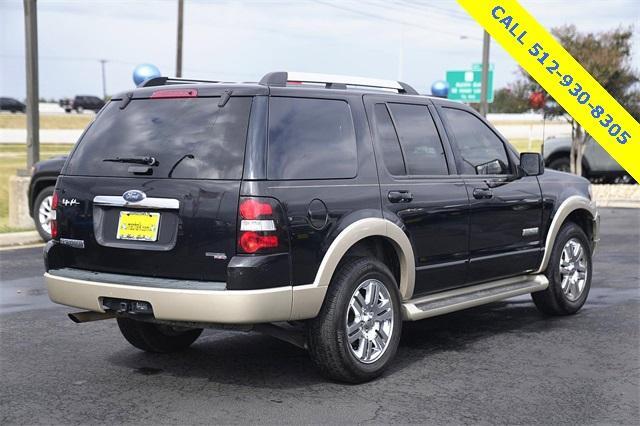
(536, 100)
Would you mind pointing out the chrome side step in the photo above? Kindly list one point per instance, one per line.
(468, 297)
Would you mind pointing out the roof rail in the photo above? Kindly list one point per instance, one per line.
(281, 78)
(163, 81)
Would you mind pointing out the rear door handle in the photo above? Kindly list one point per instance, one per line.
(482, 193)
(400, 196)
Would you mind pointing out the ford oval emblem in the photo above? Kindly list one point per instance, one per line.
(134, 196)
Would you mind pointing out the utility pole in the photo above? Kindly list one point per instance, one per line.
(104, 79)
(484, 88)
(31, 55)
(179, 44)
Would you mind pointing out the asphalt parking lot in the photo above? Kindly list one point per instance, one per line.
(502, 363)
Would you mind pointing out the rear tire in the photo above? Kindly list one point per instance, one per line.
(157, 338)
(569, 273)
(356, 334)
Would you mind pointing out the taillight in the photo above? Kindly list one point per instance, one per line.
(252, 208)
(252, 242)
(54, 215)
(261, 228)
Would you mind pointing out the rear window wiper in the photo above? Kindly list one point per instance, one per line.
(189, 156)
(149, 161)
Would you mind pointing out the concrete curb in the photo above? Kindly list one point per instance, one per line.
(19, 238)
(623, 196)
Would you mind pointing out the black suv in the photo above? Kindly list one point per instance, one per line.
(324, 210)
(82, 102)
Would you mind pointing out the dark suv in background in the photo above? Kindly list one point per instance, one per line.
(81, 103)
(324, 210)
(12, 105)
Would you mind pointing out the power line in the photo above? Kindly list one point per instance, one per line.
(387, 19)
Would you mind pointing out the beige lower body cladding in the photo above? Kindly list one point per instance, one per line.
(222, 306)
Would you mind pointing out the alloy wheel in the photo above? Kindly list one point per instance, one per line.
(573, 269)
(45, 214)
(369, 321)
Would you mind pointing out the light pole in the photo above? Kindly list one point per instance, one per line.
(31, 55)
(484, 88)
(104, 78)
(179, 41)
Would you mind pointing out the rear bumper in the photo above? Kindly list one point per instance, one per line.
(181, 303)
(210, 306)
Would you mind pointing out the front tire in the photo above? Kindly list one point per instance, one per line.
(42, 213)
(157, 338)
(356, 334)
(561, 164)
(569, 273)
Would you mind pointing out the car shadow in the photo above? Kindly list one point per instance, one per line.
(256, 360)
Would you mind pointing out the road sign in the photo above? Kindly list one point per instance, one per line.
(465, 85)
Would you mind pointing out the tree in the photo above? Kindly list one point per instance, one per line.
(606, 56)
(511, 99)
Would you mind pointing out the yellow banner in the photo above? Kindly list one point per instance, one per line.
(535, 50)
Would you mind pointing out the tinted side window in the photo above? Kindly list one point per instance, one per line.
(421, 145)
(481, 150)
(386, 133)
(311, 139)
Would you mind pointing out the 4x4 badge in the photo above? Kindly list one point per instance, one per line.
(71, 202)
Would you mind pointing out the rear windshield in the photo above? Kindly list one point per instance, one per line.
(189, 138)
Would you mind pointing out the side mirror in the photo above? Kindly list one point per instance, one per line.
(531, 164)
(493, 167)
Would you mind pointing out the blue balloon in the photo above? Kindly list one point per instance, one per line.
(440, 89)
(144, 72)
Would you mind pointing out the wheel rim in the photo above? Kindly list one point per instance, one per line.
(45, 214)
(369, 321)
(573, 269)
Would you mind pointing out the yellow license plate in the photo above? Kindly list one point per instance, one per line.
(138, 226)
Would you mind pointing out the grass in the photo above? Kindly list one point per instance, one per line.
(12, 158)
(522, 145)
(47, 121)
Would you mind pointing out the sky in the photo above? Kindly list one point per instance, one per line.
(413, 41)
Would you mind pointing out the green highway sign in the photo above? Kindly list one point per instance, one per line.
(465, 86)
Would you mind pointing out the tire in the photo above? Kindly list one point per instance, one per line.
(562, 164)
(80, 110)
(327, 334)
(42, 212)
(67, 110)
(558, 301)
(157, 338)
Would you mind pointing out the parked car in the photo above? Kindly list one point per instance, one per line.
(43, 180)
(80, 103)
(12, 105)
(323, 210)
(597, 164)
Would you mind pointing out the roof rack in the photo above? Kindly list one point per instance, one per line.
(331, 81)
(163, 81)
